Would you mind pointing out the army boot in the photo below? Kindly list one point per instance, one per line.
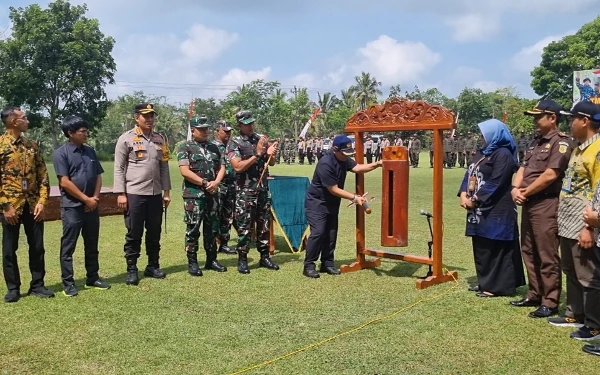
(193, 268)
(265, 261)
(243, 263)
(132, 272)
(223, 248)
(153, 268)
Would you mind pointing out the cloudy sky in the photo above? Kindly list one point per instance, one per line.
(202, 48)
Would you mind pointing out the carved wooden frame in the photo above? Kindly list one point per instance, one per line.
(404, 115)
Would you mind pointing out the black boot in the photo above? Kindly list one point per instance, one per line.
(193, 268)
(226, 249)
(243, 263)
(215, 265)
(265, 261)
(153, 268)
(132, 272)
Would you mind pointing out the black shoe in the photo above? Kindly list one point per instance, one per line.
(132, 277)
(216, 266)
(565, 321)
(13, 295)
(268, 263)
(586, 334)
(591, 349)
(70, 291)
(227, 250)
(243, 263)
(41, 292)
(525, 302)
(330, 270)
(194, 269)
(98, 284)
(155, 272)
(474, 288)
(543, 312)
(311, 273)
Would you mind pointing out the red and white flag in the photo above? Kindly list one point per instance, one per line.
(310, 120)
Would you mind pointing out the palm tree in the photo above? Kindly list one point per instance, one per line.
(327, 103)
(366, 90)
(349, 99)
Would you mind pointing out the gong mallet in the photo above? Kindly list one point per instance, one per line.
(266, 166)
(429, 243)
(365, 205)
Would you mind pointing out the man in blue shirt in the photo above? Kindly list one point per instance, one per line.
(322, 204)
(80, 178)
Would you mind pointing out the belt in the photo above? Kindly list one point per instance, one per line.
(540, 196)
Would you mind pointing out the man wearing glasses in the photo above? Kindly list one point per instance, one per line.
(80, 179)
(24, 193)
(143, 183)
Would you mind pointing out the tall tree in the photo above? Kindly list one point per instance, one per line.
(366, 90)
(580, 51)
(395, 92)
(57, 61)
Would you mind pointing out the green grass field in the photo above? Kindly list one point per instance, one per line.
(222, 323)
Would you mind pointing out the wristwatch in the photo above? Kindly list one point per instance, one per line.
(5, 206)
(204, 182)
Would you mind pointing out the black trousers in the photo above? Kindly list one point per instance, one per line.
(322, 239)
(34, 231)
(498, 265)
(76, 221)
(143, 211)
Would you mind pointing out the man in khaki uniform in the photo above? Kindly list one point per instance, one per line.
(141, 177)
(448, 148)
(536, 188)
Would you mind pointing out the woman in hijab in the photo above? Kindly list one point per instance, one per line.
(492, 214)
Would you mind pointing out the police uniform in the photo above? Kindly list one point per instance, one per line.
(142, 173)
(368, 146)
(310, 144)
(319, 148)
(201, 207)
(253, 199)
(539, 227)
(226, 195)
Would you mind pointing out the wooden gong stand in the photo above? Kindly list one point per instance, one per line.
(403, 115)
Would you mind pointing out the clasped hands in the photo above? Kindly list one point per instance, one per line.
(518, 196)
(262, 145)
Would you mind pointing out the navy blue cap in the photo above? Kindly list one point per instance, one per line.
(584, 109)
(343, 144)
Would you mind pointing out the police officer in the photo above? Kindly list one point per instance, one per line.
(368, 146)
(248, 154)
(310, 146)
(319, 147)
(226, 188)
(80, 179)
(537, 186)
(141, 175)
(415, 151)
(24, 196)
(322, 204)
(202, 166)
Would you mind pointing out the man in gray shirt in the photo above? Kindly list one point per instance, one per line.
(141, 177)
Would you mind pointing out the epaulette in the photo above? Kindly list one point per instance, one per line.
(563, 134)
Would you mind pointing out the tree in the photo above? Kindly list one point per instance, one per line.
(553, 77)
(57, 61)
(395, 92)
(366, 90)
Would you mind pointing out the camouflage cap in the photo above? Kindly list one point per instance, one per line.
(199, 122)
(244, 117)
(222, 124)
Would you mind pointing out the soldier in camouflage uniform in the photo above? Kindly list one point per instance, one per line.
(448, 148)
(470, 148)
(415, 151)
(522, 144)
(226, 189)
(203, 167)
(248, 154)
(431, 148)
(460, 147)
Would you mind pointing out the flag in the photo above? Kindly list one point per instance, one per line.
(310, 120)
(191, 115)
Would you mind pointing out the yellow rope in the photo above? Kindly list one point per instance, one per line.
(372, 321)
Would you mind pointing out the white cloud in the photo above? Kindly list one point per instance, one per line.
(528, 57)
(488, 86)
(474, 27)
(395, 62)
(205, 44)
(238, 77)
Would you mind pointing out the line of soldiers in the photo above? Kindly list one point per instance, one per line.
(309, 149)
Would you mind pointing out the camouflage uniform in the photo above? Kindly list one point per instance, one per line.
(415, 152)
(470, 148)
(253, 199)
(226, 200)
(460, 145)
(448, 147)
(200, 207)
